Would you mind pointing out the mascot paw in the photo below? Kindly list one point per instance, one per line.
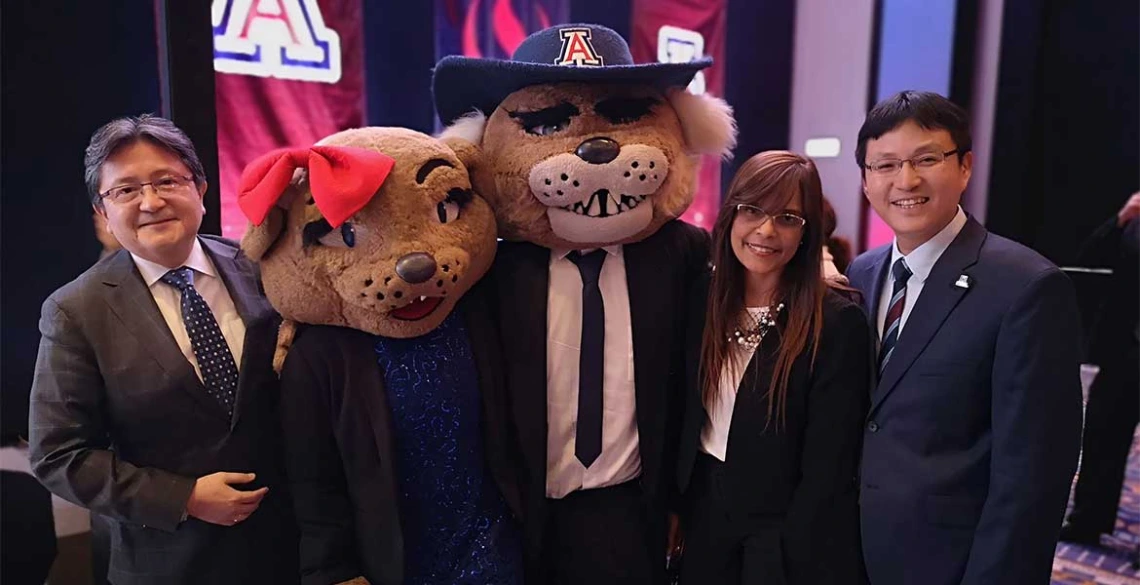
(356, 581)
(284, 341)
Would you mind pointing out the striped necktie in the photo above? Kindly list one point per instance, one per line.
(894, 313)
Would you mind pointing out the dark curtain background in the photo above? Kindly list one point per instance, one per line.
(65, 71)
(758, 52)
(1066, 151)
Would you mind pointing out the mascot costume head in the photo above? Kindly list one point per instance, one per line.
(580, 147)
(375, 229)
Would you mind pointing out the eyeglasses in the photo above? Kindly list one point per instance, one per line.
(164, 186)
(890, 166)
(753, 214)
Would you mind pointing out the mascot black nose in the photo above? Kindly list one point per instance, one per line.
(415, 267)
(598, 151)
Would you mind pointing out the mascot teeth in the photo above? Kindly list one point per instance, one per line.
(603, 204)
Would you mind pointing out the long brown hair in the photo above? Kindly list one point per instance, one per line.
(768, 180)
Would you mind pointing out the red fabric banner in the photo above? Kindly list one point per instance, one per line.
(288, 73)
(681, 31)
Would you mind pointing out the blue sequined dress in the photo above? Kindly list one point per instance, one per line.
(457, 528)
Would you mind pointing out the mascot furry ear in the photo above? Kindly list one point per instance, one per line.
(579, 146)
(706, 122)
(466, 132)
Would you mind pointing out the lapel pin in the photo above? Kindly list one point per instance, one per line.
(963, 281)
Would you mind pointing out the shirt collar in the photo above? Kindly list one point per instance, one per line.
(197, 260)
(921, 260)
(560, 253)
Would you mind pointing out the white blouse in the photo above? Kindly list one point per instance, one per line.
(714, 434)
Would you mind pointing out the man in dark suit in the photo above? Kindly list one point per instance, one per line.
(1114, 399)
(153, 403)
(975, 423)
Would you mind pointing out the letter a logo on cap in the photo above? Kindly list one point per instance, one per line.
(577, 49)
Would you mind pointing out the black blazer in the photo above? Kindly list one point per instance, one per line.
(975, 424)
(802, 479)
(1113, 333)
(121, 425)
(340, 448)
(660, 271)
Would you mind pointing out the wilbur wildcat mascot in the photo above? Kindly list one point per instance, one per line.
(373, 243)
(588, 160)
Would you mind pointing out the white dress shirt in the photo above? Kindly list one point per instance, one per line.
(920, 261)
(210, 286)
(620, 460)
(718, 421)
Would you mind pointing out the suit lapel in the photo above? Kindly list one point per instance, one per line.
(644, 275)
(370, 389)
(523, 279)
(939, 297)
(876, 273)
(753, 421)
(132, 302)
(255, 312)
(478, 316)
(241, 281)
(480, 333)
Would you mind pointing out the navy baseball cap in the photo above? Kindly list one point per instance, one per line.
(566, 52)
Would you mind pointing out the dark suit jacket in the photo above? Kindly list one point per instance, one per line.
(121, 425)
(340, 448)
(659, 271)
(975, 425)
(1114, 336)
(801, 480)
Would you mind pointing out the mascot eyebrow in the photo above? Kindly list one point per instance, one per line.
(546, 116)
(456, 195)
(621, 110)
(429, 166)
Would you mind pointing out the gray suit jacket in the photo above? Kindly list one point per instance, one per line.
(121, 424)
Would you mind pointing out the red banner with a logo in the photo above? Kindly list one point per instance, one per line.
(681, 31)
(288, 73)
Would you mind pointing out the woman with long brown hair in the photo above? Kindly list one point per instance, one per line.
(779, 389)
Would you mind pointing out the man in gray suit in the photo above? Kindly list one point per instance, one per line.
(154, 400)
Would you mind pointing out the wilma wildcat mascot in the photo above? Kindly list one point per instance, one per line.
(588, 160)
(391, 394)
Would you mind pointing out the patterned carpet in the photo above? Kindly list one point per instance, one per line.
(1111, 563)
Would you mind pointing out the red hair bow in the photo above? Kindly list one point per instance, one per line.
(342, 179)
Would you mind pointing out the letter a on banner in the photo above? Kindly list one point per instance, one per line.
(286, 39)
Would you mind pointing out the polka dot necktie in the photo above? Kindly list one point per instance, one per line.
(219, 372)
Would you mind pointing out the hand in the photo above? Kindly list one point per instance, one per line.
(676, 536)
(355, 581)
(214, 501)
(837, 279)
(1130, 211)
